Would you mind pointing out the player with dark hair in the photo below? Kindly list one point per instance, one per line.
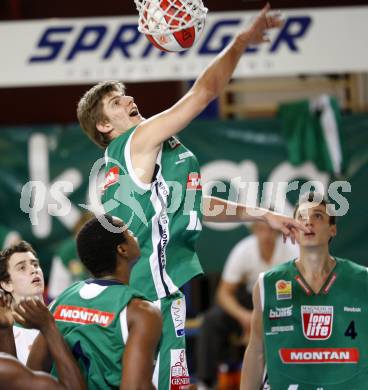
(31, 312)
(310, 315)
(21, 276)
(112, 331)
(153, 182)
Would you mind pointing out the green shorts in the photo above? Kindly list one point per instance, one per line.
(171, 370)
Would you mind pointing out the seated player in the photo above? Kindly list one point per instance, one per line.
(13, 374)
(112, 331)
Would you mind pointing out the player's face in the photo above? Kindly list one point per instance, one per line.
(133, 247)
(121, 111)
(26, 276)
(315, 217)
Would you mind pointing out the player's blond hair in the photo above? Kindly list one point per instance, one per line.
(90, 110)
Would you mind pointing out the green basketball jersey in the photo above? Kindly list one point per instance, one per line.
(91, 315)
(165, 215)
(316, 341)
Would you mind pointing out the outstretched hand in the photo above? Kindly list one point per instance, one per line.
(6, 317)
(33, 314)
(289, 227)
(256, 33)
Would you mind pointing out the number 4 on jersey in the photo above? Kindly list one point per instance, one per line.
(350, 331)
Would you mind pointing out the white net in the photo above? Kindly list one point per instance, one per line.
(164, 17)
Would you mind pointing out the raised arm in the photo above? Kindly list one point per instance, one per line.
(220, 210)
(254, 361)
(32, 313)
(144, 331)
(210, 83)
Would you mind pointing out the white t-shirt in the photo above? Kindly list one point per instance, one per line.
(24, 339)
(245, 263)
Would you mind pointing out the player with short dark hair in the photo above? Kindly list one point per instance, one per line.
(110, 327)
(310, 315)
(21, 276)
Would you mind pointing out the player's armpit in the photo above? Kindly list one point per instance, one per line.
(144, 327)
(152, 132)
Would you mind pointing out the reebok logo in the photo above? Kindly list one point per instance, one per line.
(194, 181)
(111, 177)
(317, 322)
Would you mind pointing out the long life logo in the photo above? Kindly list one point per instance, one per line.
(317, 322)
(68, 42)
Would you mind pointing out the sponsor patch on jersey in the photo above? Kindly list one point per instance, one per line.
(319, 355)
(173, 142)
(111, 177)
(178, 313)
(280, 329)
(280, 312)
(179, 376)
(82, 315)
(352, 309)
(317, 322)
(283, 289)
(194, 181)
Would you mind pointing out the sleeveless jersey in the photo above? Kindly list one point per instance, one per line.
(23, 339)
(316, 341)
(165, 215)
(91, 315)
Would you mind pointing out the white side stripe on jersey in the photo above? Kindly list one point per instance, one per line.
(261, 288)
(160, 236)
(124, 325)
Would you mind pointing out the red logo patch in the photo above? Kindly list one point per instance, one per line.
(194, 181)
(82, 315)
(179, 377)
(111, 177)
(317, 322)
(319, 355)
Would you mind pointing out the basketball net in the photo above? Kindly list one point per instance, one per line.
(164, 17)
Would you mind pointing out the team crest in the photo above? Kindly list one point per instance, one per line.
(283, 290)
(317, 322)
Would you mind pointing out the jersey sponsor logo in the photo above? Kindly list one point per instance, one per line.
(178, 311)
(280, 312)
(352, 309)
(319, 355)
(111, 177)
(82, 315)
(283, 290)
(179, 376)
(173, 142)
(194, 181)
(317, 322)
(280, 329)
